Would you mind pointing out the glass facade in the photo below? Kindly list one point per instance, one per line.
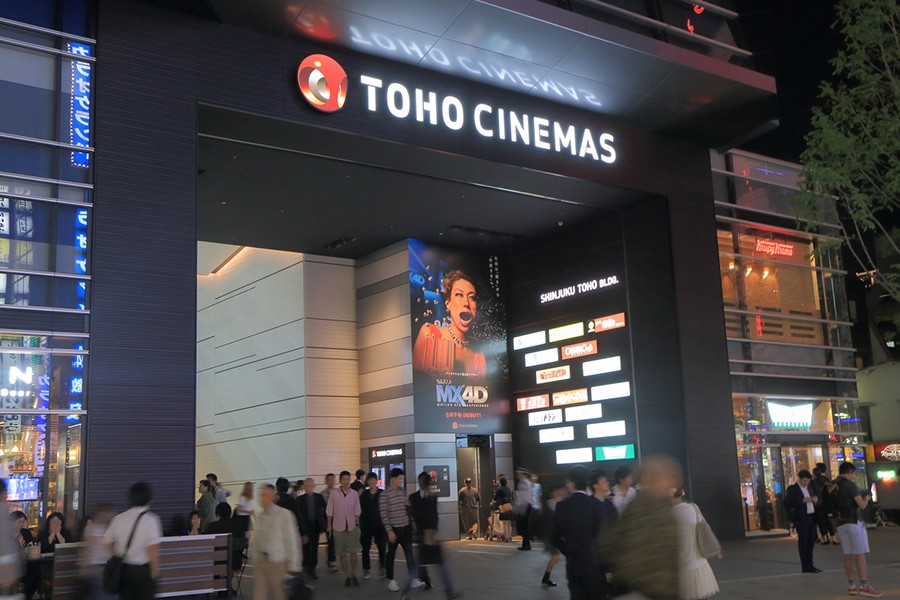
(46, 159)
(786, 318)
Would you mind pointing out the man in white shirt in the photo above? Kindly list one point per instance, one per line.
(800, 499)
(623, 492)
(274, 548)
(140, 558)
(522, 504)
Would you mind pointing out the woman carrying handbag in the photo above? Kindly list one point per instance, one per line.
(696, 544)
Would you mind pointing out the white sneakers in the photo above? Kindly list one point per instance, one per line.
(393, 587)
(417, 583)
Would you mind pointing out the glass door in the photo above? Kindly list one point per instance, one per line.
(762, 476)
(799, 458)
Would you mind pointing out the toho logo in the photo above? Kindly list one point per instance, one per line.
(461, 395)
(323, 82)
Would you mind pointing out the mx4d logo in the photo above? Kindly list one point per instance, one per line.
(462, 395)
(323, 82)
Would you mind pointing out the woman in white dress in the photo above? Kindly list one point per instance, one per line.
(697, 578)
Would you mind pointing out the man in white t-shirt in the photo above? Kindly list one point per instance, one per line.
(140, 568)
(623, 492)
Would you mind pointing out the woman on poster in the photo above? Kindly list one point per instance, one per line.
(445, 350)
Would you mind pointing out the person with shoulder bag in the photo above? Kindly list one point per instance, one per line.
(696, 543)
(133, 538)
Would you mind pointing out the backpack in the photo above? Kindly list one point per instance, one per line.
(834, 503)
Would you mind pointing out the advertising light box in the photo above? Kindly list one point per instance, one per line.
(542, 357)
(601, 366)
(556, 434)
(608, 429)
(610, 391)
(547, 417)
(533, 402)
(538, 338)
(584, 413)
(570, 397)
(566, 332)
(573, 456)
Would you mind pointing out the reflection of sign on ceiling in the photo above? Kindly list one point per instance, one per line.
(773, 248)
(570, 397)
(533, 402)
(554, 374)
(606, 323)
(797, 416)
(887, 452)
(579, 350)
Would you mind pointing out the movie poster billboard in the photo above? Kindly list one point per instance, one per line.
(459, 341)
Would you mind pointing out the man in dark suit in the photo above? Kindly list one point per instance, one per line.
(800, 499)
(311, 515)
(577, 523)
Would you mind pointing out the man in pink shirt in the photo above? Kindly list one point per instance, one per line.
(343, 525)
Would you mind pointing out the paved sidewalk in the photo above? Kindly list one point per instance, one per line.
(752, 569)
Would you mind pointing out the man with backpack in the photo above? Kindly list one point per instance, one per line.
(844, 502)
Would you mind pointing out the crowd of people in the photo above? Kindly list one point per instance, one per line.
(641, 540)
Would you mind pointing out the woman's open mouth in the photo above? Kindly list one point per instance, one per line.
(465, 317)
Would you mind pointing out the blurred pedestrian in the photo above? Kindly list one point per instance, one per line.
(311, 514)
(800, 500)
(623, 492)
(469, 503)
(140, 563)
(275, 547)
(31, 578)
(95, 553)
(646, 536)
(245, 508)
(522, 504)
(206, 503)
(696, 576)
(326, 492)
(10, 556)
(557, 494)
(219, 493)
(370, 526)
(577, 522)
(826, 532)
(600, 489)
(425, 514)
(394, 509)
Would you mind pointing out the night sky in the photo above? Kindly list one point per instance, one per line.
(792, 40)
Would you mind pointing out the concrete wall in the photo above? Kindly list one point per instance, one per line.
(879, 387)
(277, 391)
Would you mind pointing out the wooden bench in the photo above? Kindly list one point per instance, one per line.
(189, 565)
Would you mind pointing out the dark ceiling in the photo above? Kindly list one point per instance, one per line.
(274, 192)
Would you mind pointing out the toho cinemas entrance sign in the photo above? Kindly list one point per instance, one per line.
(419, 102)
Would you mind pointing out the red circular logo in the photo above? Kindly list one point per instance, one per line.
(323, 82)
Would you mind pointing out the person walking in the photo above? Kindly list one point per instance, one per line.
(623, 492)
(523, 505)
(854, 538)
(140, 556)
(206, 504)
(696, 576)
(826, 531)
(537, 502)
(469, 503)
(600, 489)
(245, 508)
(274, 548)
(343, 525)
(326, 493)
(425, 515)
(394, 509)
(370, 526)
(10, 557)
(577, 522)
(311, 512)
(800, 499)
(557, 495)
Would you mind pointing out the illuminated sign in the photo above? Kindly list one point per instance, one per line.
(566, 331)
(387, 452)
(574, 455)
(591, 285)
(887, 475)
(889, 452)
(554, 374)
(556, 434)
(541, 357)
(610, 391)
(579, 350)
(16, 374)
(773, 248)
(323, 82)
(603, 365)
(798, 416)
(488, 121)
(584, 413)
(570, 397)
(461, 395)
(533, 402)
(606, 323)
(528, 340)
(608, 429)
(547, 417)
(80, 104)
(614, 452)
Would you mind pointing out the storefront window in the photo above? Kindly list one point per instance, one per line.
(768, 415)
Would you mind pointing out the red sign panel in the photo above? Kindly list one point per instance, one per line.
(570, 397)
(579, 350)
(890, 452)
(533, 402)
(606, 323)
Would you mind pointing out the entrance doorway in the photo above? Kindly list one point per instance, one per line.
(475, 459)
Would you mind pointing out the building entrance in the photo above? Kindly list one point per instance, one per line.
(475, 459)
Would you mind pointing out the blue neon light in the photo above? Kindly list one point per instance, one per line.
(80, 106)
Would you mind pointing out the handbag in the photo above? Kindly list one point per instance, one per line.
(112, 570)
(706, 540)
(506, 507)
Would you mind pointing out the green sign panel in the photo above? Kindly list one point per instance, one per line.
(614, 452)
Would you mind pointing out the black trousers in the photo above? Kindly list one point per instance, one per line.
(806, 538)
(586, 588)
(332, 558)
(523, 526)
(366, 536)
(137, 584)
(311, 552)
(404, 539)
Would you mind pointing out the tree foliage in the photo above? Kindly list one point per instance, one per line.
(853, 151)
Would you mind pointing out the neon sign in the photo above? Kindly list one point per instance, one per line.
(80, 104)
(772, 248)
(791, 417)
